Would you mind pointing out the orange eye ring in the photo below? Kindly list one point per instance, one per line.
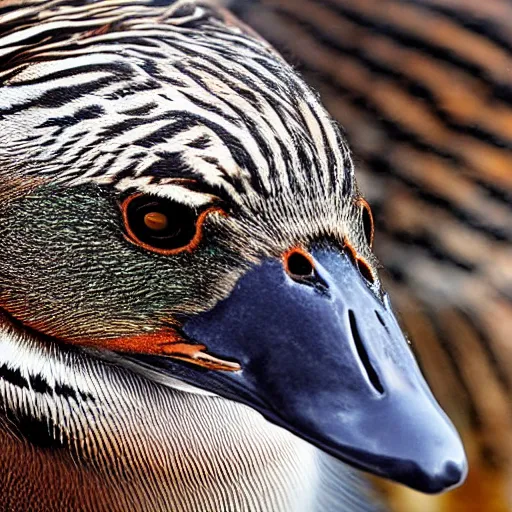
(368, 222)
(298, 263)
(150, 225)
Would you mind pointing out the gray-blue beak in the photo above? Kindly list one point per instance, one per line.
(325, 359)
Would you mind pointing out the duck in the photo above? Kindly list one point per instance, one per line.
(191, 315)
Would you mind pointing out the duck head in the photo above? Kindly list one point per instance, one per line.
(211, 230)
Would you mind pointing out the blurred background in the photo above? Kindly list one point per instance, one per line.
(423, 89)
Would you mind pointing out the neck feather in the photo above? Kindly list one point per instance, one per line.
(170, 445)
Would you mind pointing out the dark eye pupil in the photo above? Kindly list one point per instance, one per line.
(161, 223)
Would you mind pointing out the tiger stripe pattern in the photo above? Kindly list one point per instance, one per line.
(424, 92)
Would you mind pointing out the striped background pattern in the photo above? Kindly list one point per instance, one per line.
(423, 89)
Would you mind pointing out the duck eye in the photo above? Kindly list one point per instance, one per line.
(159, 224)
(367, 217)
(298, 264)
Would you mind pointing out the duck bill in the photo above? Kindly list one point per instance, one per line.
(328, 362)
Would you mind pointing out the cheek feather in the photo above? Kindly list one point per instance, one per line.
(167, 342)
(148, 343)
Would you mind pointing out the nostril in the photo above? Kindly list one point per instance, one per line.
(298, 264)
(363, 354)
